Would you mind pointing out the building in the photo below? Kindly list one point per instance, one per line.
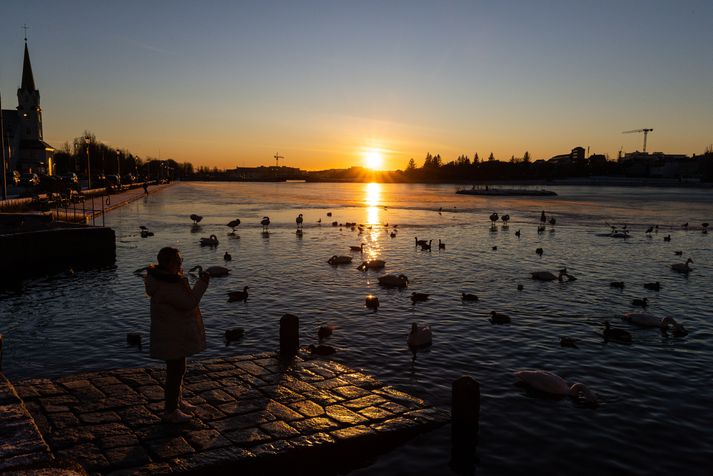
(25, 148)
(576, 156)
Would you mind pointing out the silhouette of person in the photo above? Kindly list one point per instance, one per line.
(146, 188)
(543, 218)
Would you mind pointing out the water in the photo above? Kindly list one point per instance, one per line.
(656, 395)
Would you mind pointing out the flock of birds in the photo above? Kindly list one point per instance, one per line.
(420, 335)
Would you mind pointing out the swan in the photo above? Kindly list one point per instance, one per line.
(618, 335)
(469, 297)
(420, 336)
(682, 267)
(213, 271)
(232, 224)
(394, 281)
(617, 284)
(299, 220)
(238, 295)
(196, 218)
(420, 242)
(227, 256)
(372, 302)
(359, 248)
(644, 319)
(498, 318)
(653, 286)
(210, 241)
(551, 383)
(371, 264)
(336, 260)
(419, 297)
(547, 276)
(265, 222)
(441, 245)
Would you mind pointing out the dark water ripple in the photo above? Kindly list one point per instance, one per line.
(656, 395)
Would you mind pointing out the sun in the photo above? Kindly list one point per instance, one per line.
(373, 159)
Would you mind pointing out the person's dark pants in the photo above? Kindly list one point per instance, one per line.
(175, 369)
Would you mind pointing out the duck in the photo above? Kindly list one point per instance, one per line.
(227, 256)
(469, 297)
(419, 297)
(238, 295)
(441, 245)
(539, 251)
(495, 248)
(553, 384)
(653, 286)
(321, 349)
(371, 264)
(553, 221)
(299, 220)
(337, 260)
(568, 342)
(392, 234)
(145, 233)
(682, 267)
(541, 229)
(265, 222)
(196, 218)
(617, 284)
(678, 253)
(324, 331)
(617, 335)
(640, 302)
(359, 248)
(499, 318)
(644, 319)
(394, 281)
(517, 233)
(420, 336)
(667, 238)
(520, 287)
(231, 335)
(213, 271)
(212, 240)
(649, 230)
(372, 302)
(329, 214)
(232, 224)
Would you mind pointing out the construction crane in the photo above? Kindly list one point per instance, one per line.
(645, 131)
(277, 158)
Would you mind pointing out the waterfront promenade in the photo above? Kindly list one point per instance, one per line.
(255, 413)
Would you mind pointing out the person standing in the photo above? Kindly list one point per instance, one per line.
(146, 188)
(177, 329)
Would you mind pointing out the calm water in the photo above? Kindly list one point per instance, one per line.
(655, 416)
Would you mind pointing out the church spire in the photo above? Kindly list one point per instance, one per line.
(28, 81)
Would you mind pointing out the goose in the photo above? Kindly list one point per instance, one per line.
(553, 221)
(495, 248)
(568, 342)
(617, 284)
(441, 245)
(196, 218)
(227, 256)
(505, 219)
(543, 217)
(372, 302)
(644, 319)
(539, 251)
(541, 229)
(133, 338)
(617, 335)
(420, 336)
(265, 222)
(494, 217)
(678, 253)
(321, 349)
(682, 267)
(426, 247)
(359, 248)
(336, 223)
(517, 233)
(553, 384)
(324, 331)
(299, 220)
(371, 264)
(667, 238)
(210, 241)
(337, 260)
(653, 286)
(238, 295)
(420, 242)
(213, 271)
(640, 302)
(232, 224)
(520, 287)
(329, 214)
(547, 276)
(392, 234)
(145, 233)
(469, 297)
(418, 297)
(649, 230)
(231, 335)
(394, 281)
(498, 318)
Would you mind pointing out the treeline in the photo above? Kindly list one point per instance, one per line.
(85, 153)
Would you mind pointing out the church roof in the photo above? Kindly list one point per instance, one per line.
(35, 144)
(28, 81)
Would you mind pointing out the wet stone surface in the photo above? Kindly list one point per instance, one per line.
(252, 412)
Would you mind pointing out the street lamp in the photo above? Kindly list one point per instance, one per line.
(87, 140)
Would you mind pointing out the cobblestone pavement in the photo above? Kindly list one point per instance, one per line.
(253, 413)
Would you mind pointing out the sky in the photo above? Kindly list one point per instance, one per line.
(328, 84)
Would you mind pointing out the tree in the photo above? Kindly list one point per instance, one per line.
(476, 159)
(526, 157)
(491, 157)
(411, 166)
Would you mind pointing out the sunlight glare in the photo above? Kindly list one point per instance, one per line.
(373, 159)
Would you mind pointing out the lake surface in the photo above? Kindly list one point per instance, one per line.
(656, 395)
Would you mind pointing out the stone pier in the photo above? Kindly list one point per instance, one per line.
(255, 414)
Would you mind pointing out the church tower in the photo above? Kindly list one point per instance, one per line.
(28, 104)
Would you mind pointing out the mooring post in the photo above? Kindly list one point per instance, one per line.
(1, 340)
(289, 335)
(465, 422)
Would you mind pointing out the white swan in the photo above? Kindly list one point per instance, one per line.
(682, 267)
(210, 241)
(551, 383)
(420, 336)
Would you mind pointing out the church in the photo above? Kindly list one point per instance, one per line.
(25, 149)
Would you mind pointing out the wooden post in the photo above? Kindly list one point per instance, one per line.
(289, 335)
(465, 420)
(1, 341)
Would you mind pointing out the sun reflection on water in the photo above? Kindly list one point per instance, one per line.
(372, 200)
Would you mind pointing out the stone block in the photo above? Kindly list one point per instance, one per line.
(352, 433)
(216, 396)
(208, 412)
(315, 440)
(282, 412)
(69, 437)
(99, 417)
(363, 402)
(137, 416)
(314, 425)
(214, 461)
(114, 441)
(127, 456)
(87, 455)
(343, 415)
(375, 413)
(307, 408)
(239, 422)
(62, 420)
(206, 439)
(152, 393)
(350, 392)
(247, 436)
(167, 448)
(279, 430)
